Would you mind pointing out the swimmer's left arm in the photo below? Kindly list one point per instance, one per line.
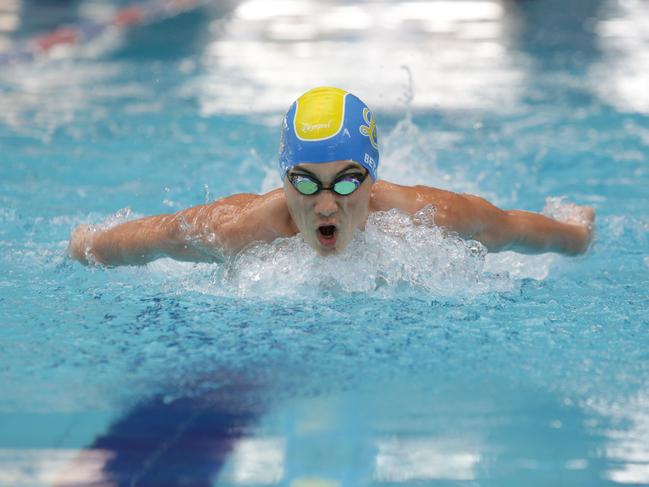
(474, 217)
(517, 230)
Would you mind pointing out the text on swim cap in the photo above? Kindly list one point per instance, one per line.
(312, 127)
(369, 160)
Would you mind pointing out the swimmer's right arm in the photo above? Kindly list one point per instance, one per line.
(200, 234)
(135, 242)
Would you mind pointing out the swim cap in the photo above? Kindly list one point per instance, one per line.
(328, 124)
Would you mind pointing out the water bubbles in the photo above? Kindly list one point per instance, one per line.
(396, 255)
(564, 211)
(117, 218)
(425, 216)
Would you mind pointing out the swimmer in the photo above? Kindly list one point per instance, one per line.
(328, 163)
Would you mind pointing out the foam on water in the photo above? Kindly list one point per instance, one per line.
(564, 211)
(396, 255)
(393, 253)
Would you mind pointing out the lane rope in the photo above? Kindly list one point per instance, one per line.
(86, 31)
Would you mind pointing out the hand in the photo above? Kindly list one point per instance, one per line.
(584, 218)
(80, 244)
(582, 215)
(580, 221)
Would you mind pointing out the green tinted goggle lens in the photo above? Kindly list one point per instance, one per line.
(308, 186)
(305, 186)
(346, 186)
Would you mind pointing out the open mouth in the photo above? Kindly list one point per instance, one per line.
(327, 235)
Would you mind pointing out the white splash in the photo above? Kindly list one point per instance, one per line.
(564, 211)
(120, 216)
(396, 253)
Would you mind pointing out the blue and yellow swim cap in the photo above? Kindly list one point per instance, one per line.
(328, 124)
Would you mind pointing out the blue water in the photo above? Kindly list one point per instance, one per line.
(412, 359)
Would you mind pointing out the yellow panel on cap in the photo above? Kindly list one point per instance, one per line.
(320, 113)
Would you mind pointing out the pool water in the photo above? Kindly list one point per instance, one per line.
(413, 358)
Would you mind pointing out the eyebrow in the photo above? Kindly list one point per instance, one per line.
(350, 166)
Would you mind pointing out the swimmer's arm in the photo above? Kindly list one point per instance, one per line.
(135, 242)
(475, 218)
(200, 234)
(517, 230)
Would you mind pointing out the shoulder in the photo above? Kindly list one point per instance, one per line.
(387, 195)
(244, 218)
(248, 203)
(269, 211)
(452, 210)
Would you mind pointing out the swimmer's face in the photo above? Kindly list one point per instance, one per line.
(327, 220)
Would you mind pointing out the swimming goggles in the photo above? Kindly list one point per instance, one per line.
(343, 185)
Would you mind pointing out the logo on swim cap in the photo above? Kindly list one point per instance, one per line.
(369, 130)
(328, 124)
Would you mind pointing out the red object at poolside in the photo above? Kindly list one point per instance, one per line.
(63, 35)
(85, 31)
(128, 16)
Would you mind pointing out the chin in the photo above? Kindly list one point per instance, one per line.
(324, 251)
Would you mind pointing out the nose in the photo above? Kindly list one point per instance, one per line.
(326, 204)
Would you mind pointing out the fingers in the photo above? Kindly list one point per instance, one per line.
(80, 243)
(588, 219)
(589, 213)
(580, 215)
